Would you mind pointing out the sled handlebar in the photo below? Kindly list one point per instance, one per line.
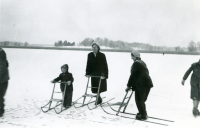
(95, 76)
(61, 82)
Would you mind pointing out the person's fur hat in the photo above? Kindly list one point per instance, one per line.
(95, 43)
(135, 53)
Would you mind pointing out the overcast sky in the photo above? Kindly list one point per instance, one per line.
(157, 22)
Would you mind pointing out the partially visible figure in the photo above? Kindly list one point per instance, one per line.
(4, 77)
(140, 82)
(67, 77)
(163, 53)
(195, 86)
(97, 66)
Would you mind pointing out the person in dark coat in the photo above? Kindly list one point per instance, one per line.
(195, 85)
(67, 77)
(97, 66)
(4, 77)
(140, 82)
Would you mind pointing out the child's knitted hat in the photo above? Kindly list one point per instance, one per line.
(65, 66)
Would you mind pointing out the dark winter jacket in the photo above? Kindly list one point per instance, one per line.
(4, 75)
(195, 78)
(139, 78)
(97, 66)
(64, 77)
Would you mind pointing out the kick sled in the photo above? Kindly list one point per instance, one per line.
(59, 102)
(77, 103)
(124, 114)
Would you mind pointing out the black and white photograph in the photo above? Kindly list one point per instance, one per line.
(99, 63)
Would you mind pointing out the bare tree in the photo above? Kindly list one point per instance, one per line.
(198, 46)
(26, 44)
(60, 43)
(192, 46)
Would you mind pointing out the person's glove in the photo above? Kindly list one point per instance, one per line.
(102, 77)
(68, 82)
(53, 81)
(183, 82)
(127, 89)
(87, 76)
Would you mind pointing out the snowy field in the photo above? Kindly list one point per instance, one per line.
(29, 88)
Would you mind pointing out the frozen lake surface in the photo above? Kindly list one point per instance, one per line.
(32, 70)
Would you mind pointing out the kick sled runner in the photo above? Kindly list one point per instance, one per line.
(124, 114)
(80, 102)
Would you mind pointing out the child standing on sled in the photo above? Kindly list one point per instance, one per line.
(195, 85)
(67, 77)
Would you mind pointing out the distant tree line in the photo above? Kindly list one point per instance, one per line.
(105, 42)
(123, 45)
(192, 47)
(9, 43)
(65, 43)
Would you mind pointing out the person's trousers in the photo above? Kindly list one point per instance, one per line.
(68, 98)
(3, 88)
(140, 99)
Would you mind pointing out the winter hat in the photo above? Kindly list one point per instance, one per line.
(65, 66)
(135, 53)
(95, 43)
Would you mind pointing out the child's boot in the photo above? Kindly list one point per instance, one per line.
(195, 112)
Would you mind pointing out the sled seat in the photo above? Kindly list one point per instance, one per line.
(57, 100)
(89, 95)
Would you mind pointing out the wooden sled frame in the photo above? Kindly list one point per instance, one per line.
(59, 101)
(125, 106)
(91, 96)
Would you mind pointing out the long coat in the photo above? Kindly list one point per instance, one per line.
(97, 66)
(139, 78)
(195, 78)
(4, 76)
(64, 77)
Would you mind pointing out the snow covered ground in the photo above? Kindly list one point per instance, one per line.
(29, 88)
